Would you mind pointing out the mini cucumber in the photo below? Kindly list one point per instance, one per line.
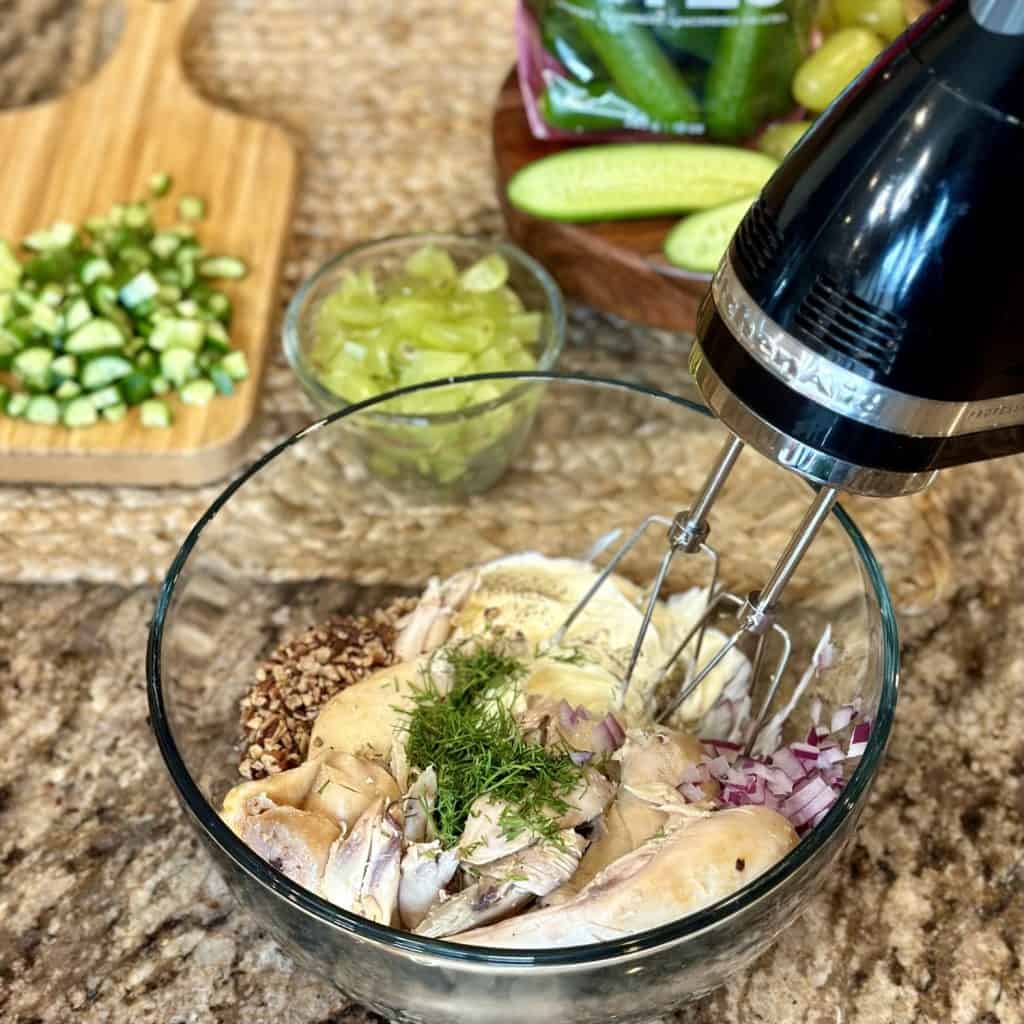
(699, 242)
(621, 181)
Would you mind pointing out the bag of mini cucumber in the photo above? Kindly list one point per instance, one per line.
(717, 69)
(692, 103)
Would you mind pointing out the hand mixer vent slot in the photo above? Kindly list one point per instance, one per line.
(848, 326)
(758, 240)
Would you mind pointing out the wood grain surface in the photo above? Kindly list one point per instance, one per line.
(614, 266)
(75, 157)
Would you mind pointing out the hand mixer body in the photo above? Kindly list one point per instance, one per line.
(865, 328)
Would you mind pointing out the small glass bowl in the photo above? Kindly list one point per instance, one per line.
(292, 541)
(445, 455)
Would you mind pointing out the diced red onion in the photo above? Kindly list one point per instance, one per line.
(608, 735)
(829, 757)
(816, 710)
(842, 717)
(692, 793)
(859, 739)
(718, 767)
(570, 716)
(788, 762)
(804, 751)
(811, 798)
(616, 730)
(580, 757)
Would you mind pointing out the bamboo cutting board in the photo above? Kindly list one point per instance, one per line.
(75, 157)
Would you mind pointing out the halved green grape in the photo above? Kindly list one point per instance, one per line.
(426, 320)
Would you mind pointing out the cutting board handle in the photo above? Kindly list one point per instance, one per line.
(150, 43)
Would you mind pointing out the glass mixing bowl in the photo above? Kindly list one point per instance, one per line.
(306, 532)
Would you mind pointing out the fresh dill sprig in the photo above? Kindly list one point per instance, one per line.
(472, 739)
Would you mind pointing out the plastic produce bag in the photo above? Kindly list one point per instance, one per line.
(717, 69)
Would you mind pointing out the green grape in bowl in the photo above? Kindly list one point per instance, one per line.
(398, 312)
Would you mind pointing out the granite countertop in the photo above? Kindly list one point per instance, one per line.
(110, 911)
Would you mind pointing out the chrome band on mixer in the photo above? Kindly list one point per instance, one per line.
(791, 453)
(812, 375)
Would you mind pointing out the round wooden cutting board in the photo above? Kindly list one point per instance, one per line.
(614, 266)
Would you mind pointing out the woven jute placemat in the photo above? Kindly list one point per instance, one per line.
(390, 105)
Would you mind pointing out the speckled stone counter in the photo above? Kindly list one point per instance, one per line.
(109, 911)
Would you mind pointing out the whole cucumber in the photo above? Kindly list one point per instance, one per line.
(643, 179)
(640, 69)
(754, 63)
(699, 242)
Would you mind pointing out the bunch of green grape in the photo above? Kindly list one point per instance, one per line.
(855, 32)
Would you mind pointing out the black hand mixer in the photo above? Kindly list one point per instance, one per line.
(864, 329)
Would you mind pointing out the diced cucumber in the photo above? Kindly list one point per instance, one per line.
(222, 380)
(104, 370)
(10, 267)
(220, 306)
(103, 297)
(80, 412)
(139, 289)
(32, 365)
(60, 236)
(699, 242)
(155, 413)
(191, 208)
(625, 180)
(235, 365)
(137, 216)
(17, 404)
(223, 267)
(134, 257)
(135, 388)
(160, 184)
(187, 308)
(217, 337)
(6, 306)
(46, 318)
(78, 313)
(98, 335)
(52, 295)
(9, 342)
(175, 333)
(159, 385)
(115, 413)
(64, 368)
(176, 365)
(67, 390)
(42, 409)
(164, 244)
(109, 395)
(94, 270)
(146, 360)
(197, 392)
